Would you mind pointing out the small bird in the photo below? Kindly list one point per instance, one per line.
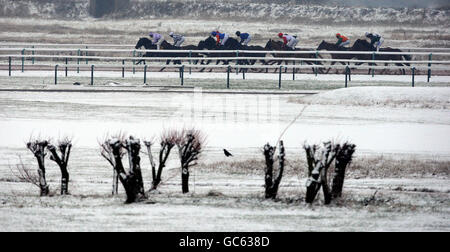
(227, 153)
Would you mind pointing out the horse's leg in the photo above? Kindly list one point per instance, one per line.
(402, 70)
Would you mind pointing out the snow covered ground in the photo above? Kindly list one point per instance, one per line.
(392, 122)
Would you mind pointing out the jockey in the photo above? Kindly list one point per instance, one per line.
(245, 38)
(375, 40)
(288, 40)
(177, 39)
(221, 37)
(157, 39)
(342, 40)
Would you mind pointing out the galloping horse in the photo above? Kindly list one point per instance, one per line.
(333, 47)
(148, 45)
(273, 45)
(364, 45)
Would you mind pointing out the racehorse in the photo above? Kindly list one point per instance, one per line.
(167, 46)
(364, 45)
(273, 45)
(333, 47)
(148, 45)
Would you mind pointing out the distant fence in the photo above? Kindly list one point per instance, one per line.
(82, 57)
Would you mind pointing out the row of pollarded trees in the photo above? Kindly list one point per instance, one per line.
(190, 144)
(319, 159)
(59, 153)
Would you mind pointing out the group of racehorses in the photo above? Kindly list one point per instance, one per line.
(271, 45)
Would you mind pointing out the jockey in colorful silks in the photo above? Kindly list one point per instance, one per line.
(342, 40)
(221, 37)
(157, 39)
(177, 39)
(375, 40)
(245, 38)
(288, 40)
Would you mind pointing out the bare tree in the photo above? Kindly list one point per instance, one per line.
(107, 153)
(64, 147)
(37, 147)
(168, 139)
(24, 174)
(131, 180)
(344, 155)
(190, 145)
(319, 159)
(272, 184)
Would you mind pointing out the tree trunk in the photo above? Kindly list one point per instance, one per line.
(185, 179)
(132, 182)
(272, 185)
(343, 159)
(319, 160)
(62, 162)
(38, 149)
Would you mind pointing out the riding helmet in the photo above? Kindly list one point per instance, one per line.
(280, 34)
(338, 35)
(213, 33)
(238, 33)
(367, 34)
(150, 34)
(171, 34)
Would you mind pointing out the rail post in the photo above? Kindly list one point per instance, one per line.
(413, 72)
(66, 65)
(316, 69)
(349, 74)
(429, 66)
(293, 70)
(190, 62)
(92, 75)
(123, 68)
(145, 74)
(228, 76)
(56, 74)
(87, 60)
(237, 62)
(32, 53)
(23, 60)
(9, 67)
(134, 62)
(243, 73)
(182, 75)
(373, 59)
(279, 77)
(78, 60)
(346, 76)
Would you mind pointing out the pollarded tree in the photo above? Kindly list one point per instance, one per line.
(64, 147)
(344, 156)
(167, 142)
(37, 147)
(131, 180)
(190, 144)
(272, 184)
(319, 159)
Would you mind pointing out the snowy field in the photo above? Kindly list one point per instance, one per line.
(399, 179)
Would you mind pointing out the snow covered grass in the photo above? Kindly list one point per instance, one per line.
(399, 180)
(419, 97)
(228, 196)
